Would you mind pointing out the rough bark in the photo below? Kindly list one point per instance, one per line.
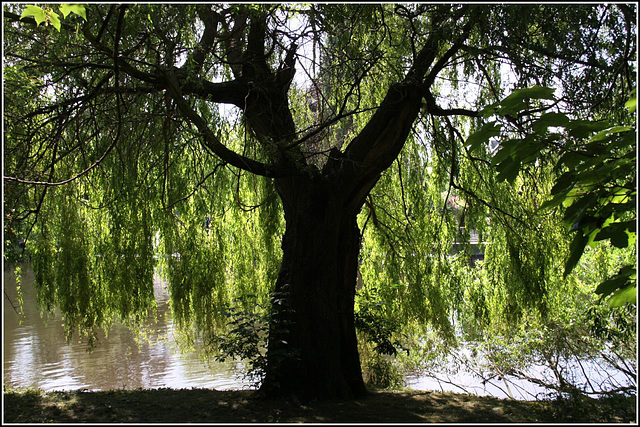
(312, 345)
(312, 348)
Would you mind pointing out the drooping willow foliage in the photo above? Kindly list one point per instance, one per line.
(110, 185)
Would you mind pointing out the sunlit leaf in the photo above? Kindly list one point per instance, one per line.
(631, 103)
(78, 9)
(37, 12)
(623, 296)
(55, 21)
(619, 195)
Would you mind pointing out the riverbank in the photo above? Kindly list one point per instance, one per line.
(211, 406)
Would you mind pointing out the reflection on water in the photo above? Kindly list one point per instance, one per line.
(37, 355)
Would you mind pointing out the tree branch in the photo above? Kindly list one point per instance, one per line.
(232, 92)
(436, 110)
(85, 171)
(210, 19)
(211, 141)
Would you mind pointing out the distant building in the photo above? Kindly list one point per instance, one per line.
(458, 206)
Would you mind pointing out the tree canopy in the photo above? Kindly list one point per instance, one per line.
(243, 150)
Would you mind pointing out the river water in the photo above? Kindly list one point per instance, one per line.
(36, 353)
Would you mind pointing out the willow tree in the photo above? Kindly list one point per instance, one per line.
(138, 133)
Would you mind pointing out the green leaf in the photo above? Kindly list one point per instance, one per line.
(507, 149)
(629, 271)
(609, 133)
(622, 296)
(620, 233)
(55, 21)
(514, 103)
(563, 183)
(619, 285)
(582, 128)
(529, 150)
(534, 92)
(577, 213)
(489, 110)
(577, 248)
(512, 107)
(482, 135)
(571, 159)
(619, 195)
(35, 11)
(631, 103)
(509, 170)
(548, 120)
(609, 286)
(552, 203)
(78, 9)
(65, 9)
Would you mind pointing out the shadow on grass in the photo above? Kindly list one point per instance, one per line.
(211, 406)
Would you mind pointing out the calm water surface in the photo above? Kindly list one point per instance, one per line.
(36, 353)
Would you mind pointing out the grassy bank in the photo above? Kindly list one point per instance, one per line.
(210, 406)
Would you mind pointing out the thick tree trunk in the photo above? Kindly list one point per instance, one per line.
(312, 348)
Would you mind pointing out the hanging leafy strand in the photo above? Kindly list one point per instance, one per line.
(594, 178)
(143, 190)
(156, 201)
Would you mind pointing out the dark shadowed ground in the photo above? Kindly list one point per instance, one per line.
(210, 406)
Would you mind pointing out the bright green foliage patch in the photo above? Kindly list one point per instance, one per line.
(522, 152)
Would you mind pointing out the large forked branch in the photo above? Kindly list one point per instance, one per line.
(378, 144)
(375, 145)
(210, 19)
(231, 92)
(209, 138)
(180, 81)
